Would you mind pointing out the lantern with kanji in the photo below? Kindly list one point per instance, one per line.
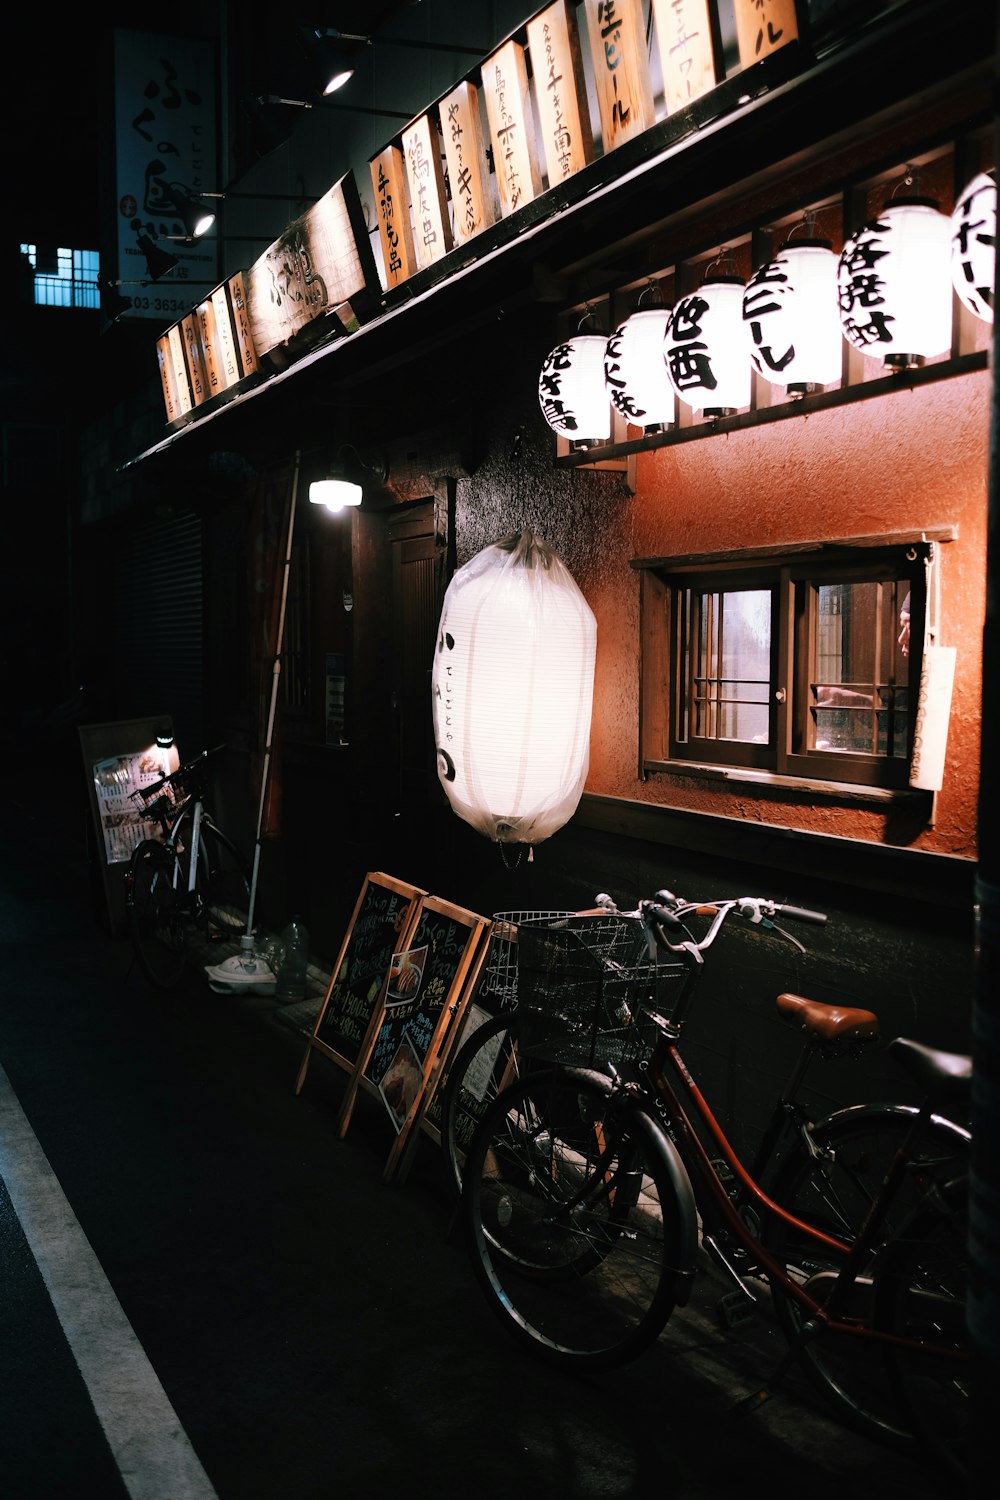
(571, 390)
(790, 308)
(895, 286)
(974, 245)
(635, 374)
(707, 348)
(512, 690)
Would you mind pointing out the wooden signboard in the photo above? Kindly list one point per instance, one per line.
(472, 196)
(218, 342)
(560, 91)
(432, 235)
(430, 979)
(512, 128)
(195, 359)
(621, 74)
(246, 352)
(395, 232)
(178, 364)
(168, 378)
(320, 261)
(762, 26)
(380, 923)
(687, 56)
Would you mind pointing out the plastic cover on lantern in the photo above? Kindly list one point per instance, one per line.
(791, 309)
(512, 691)
(707, 347)
(895, 283)
(973, 245)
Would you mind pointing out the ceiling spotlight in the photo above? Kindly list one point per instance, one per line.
(332, 54)
(158, 261)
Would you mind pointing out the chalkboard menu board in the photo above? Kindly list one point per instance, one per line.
(430, 978)
(382, 916)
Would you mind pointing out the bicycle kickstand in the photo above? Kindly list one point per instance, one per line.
(755, 1399)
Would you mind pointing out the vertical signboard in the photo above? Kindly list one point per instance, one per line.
(687, 56)
(395, 234)
(431, 227)
(621, 74)
(512, 131)
(195, 359)
(560, 91)
(178, 365)
(762, 26)
(472, 198)
(164, 359)
(246, 352)
(165, 141)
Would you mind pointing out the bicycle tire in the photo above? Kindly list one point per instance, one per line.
(920, 1291)
(157, 911)
(485, 1063)
(832, 1185)
(222, 887)
(578, 1227)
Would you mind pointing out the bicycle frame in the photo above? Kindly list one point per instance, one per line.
(666, 1101)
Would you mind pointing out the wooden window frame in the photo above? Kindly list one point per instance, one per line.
(792, 575)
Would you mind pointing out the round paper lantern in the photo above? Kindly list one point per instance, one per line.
(571, 390)
(973, 245)
(791, 310)
(895, 284)
(634, 373)
(512, 685)
(707, 348)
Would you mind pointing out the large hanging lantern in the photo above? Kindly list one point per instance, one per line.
(974, 245)
(571, 390)
(635, 375)
(512, 685)
(791, 310)
(707, 348)
(895, 284)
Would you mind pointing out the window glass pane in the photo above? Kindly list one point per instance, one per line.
(859, 673)
(730, 648)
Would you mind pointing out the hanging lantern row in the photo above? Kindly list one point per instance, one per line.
(888, 294)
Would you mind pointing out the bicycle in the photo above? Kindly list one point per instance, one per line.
(593, 1183)
(189, 880)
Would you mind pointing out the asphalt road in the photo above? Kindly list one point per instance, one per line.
(207, 1293)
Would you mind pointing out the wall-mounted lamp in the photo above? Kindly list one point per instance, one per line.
(348, 478)
(159, 262)
(196, 214)
(332, 55)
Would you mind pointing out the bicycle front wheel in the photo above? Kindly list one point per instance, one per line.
(920, 1295)
(159, 921)
(832, 1183)
(222, 887)
(573, 1221)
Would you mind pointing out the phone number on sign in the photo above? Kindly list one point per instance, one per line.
(159, 304)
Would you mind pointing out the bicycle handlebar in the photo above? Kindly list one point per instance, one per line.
(666, 923)
(182, 771)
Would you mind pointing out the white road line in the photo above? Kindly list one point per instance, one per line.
(150, 1447)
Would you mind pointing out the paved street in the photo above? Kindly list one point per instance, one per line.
(206, 1293)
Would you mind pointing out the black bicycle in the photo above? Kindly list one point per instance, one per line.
(191, 880)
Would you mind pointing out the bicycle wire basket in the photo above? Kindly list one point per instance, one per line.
(583, 985)
(498, 987)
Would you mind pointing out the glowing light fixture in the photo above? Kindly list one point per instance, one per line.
(707, 348)
(347, 479)
(895, 284)
(973, 245)
(335, 493)
(635, 375)
(572, 393)
(791, 311)
(512, 685)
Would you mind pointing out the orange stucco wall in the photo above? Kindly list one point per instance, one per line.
(913, 459)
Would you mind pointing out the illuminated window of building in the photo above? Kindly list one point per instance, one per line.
(64, 278)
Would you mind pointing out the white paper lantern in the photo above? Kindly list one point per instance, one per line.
(707, 348)
(791, 309)
(634, 372)
(512, 685)
(973, 245)
(895, 284)
(571, 389)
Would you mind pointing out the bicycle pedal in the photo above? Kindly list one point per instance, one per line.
(734, 1309)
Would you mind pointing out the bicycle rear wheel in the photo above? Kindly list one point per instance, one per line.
(573, 1220)
(833, 1186)
(920, 1294)
(159, 920)
(486, 1062)
(222, 887)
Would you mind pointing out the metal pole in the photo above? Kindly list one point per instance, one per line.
(275, 683)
